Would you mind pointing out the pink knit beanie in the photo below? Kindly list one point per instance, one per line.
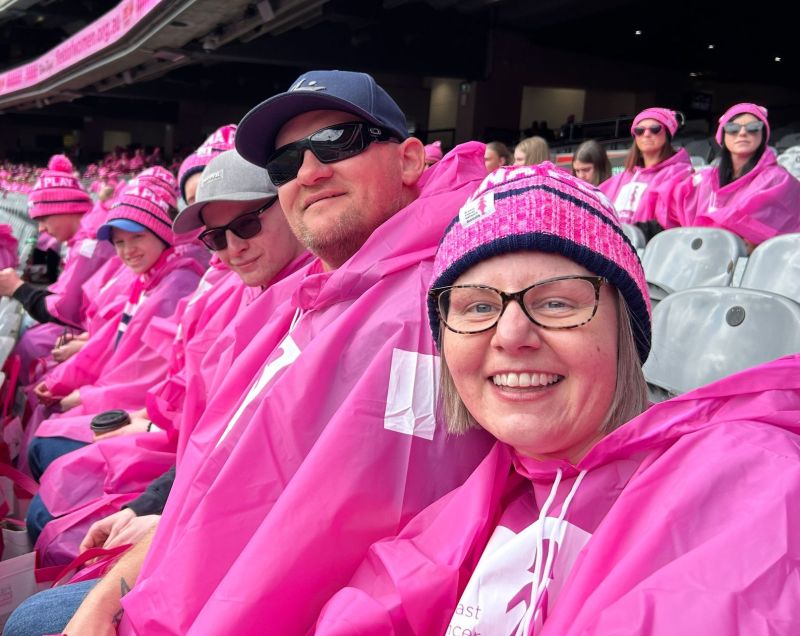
(759, 112)
(162, 182)
(217, 142)
(145, 208)
(58, 191)
(433, 152)
(543, 209)
(663, 116)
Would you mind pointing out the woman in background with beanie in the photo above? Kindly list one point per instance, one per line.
(123, 359)
(192, 167)
(588, 516)
(58, 203)
(748, 193)
(652, 167)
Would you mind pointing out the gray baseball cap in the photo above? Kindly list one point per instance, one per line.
(227, 177)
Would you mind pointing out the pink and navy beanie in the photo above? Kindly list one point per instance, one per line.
(543, 209)
(217, 142)
(433, 152)
(58, 191)
(139, 208)
(759, 112)
(664, 116)
(161, 181)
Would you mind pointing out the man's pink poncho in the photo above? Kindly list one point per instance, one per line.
(335, 444)
(635, 194)
(763, 203)
(686, 520)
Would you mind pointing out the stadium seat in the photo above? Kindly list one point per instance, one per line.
(698, 162)
(702, 335)
(788, 141)
(687, 257)
(6, 346)
(703, 148)
(791, 161)
(775, 266)
(635, 235)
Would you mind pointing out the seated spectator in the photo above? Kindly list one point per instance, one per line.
(192, 167)
(118, 364)
(531, 151)
(587, 517)
(748, 193)
(497, 154)
(590, 163)
(245, 227)
(433, 153)
(652, 167)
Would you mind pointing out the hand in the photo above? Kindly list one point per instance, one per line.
(71, 401)
(67, 350)
(44, 395)
(137, 425)
(101, 530)
(9, 281)
(132, 533)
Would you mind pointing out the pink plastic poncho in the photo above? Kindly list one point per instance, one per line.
(8, 247)
(110, 470)
(761, 204)
(335, 445)
(635, 194)
(685, 520)
(118, 377)
(85, 256)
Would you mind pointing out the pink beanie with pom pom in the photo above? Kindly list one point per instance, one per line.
(759, 112)
(58, 191)
(217, 142)
(433, 152)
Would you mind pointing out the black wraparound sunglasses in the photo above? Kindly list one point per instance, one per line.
(328, 145)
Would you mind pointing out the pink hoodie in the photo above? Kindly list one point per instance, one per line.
(683, 521)
(320, 439)
(635, 194)
(761, 204)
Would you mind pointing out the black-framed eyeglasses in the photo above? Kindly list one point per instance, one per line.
(564, 302)
(751, 128)
(328, 145)
(244, 226)
(640, 130)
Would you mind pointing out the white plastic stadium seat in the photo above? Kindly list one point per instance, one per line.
(698, 162)
(702, 335)
(788, 141)
(687, 257)
(6, 346)
(775, 266)
(635, 235)
(791, 162)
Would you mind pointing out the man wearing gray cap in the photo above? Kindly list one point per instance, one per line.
(245, 228)
(332, 441)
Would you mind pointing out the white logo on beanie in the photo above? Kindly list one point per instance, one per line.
(299, 85)
(475, 210)
(214, 176)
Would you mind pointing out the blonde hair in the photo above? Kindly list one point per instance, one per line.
(535, 150)
(630, 393)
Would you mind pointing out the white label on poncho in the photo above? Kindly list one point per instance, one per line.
(87, 247)
(411, 399)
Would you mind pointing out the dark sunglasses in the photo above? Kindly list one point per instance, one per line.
(245, 226)
(732, 128)
(328, 145)
(640, 130)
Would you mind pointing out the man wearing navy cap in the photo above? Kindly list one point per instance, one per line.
(335, 442)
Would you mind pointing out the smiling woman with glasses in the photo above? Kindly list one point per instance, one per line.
(588, 516)
(651, 167)
(748, 193)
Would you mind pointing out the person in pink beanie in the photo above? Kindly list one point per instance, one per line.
(433, 153)
(591, 515)
(748, 193)
(652, 167)
(189, 172)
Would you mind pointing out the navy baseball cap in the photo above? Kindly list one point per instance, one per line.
(355, 93)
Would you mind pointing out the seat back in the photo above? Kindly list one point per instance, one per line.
(704, 334)
(688, 257)
(775, 266)
(635, 235)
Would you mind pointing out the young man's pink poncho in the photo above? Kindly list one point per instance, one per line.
(635, 194)
(334, 444)
(761, 204)
(685, 520)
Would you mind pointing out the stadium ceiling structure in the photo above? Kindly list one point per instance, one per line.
(55, 51)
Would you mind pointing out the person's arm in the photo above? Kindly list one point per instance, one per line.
(153, 500)
(101, 610)
(33, 300)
